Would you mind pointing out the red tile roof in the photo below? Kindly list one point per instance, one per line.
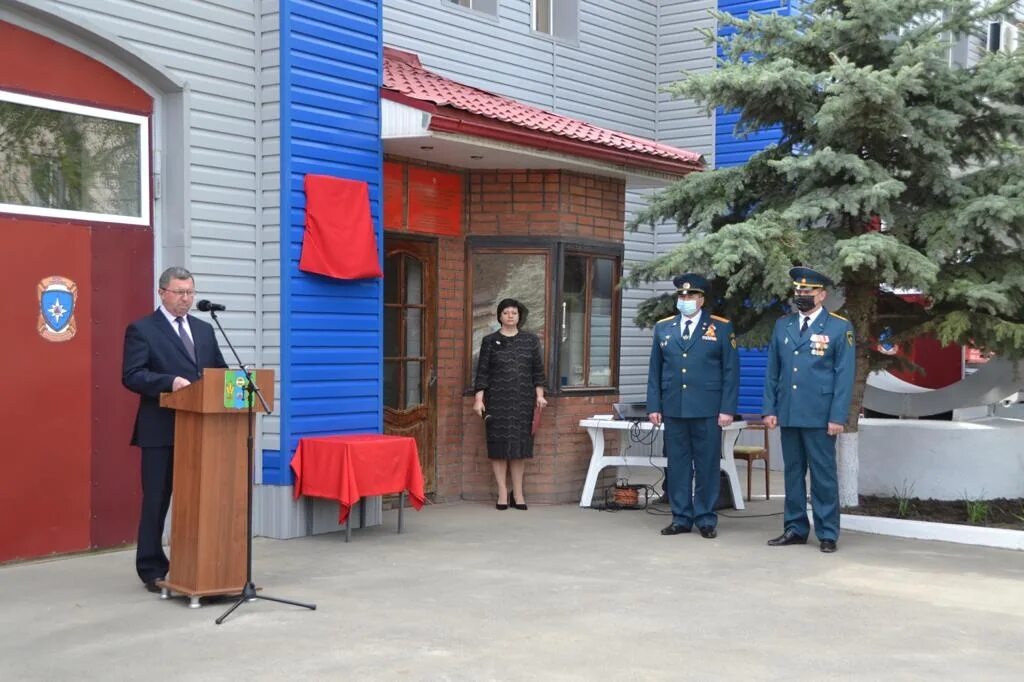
(404, 76)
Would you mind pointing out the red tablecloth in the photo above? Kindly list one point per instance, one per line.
(346, 468)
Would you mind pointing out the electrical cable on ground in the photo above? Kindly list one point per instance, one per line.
(619, 489)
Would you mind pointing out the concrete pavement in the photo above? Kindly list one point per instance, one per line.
(553, 593)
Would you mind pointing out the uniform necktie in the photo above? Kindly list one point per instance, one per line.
(190, 347)
(686, 331)
(807, 321)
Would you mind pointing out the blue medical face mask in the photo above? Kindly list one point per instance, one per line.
(688, 308)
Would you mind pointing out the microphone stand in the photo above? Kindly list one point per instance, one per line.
(249, 592)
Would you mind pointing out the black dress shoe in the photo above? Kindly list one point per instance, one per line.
(522, 507)
(828, 546)
(674, 529)
(151, 586)
(708, 532)
(788, 538)
(501, 507)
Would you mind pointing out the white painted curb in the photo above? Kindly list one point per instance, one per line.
(1002, 538)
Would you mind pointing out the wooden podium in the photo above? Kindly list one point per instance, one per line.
(209, 517)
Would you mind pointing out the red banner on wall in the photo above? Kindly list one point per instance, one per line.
(339, 241)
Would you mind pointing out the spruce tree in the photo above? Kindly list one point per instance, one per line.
(894, 169)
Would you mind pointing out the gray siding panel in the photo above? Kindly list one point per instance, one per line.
(681, 50)
(496, 54)
(635, 343)
(269, 176)
(681, 123)
(607, 77)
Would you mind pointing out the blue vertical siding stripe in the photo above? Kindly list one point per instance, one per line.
(731, 150)
(331, 330)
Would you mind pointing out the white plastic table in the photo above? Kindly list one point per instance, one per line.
(599, 460)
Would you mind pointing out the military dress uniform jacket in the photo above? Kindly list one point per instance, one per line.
(694, 378)
(809, 382)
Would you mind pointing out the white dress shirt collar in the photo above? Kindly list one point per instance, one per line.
(813, 316)
(174, 325)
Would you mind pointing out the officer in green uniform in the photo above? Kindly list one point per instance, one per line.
(692, 388)
(807, 392)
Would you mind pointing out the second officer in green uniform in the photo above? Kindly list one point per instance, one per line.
(807, 391)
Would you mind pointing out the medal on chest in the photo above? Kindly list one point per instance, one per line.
(819, 344)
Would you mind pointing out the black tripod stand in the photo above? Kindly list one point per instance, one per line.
(249, 591)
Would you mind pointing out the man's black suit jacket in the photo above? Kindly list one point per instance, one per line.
(153, 356)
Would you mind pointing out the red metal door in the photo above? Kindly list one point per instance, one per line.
(68, 478)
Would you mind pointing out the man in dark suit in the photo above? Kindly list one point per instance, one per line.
(693, 388)
(807, 391)
(163, 352)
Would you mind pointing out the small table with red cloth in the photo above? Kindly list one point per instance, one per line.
(348, 468)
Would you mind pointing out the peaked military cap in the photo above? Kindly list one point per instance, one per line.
(805, 278)
(691, 283)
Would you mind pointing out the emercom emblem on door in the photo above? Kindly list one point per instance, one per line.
(410, 328)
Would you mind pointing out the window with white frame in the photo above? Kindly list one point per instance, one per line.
(485, 6)
(70, 161)
(557, 18)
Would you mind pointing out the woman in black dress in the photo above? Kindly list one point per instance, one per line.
(509, 385)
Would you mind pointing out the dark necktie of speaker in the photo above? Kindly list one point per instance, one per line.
(189, 346)
(686, 331)
(803, 329)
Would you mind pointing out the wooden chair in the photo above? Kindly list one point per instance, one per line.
(750, 453)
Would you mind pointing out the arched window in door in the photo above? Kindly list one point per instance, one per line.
(404, 355)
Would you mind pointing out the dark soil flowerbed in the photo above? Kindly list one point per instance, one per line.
(999, 513)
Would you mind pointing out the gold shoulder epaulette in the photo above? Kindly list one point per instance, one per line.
(839, 316)
(720, 319)
(670, 317)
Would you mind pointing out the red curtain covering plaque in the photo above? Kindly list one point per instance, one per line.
(339, 240)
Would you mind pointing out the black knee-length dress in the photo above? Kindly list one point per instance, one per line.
(508, 372)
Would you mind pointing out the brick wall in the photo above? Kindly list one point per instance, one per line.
(451, 353)
(546, 203)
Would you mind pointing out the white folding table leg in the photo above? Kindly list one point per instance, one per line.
(597, 438)
(729, 467)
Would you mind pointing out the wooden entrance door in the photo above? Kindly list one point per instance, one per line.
(410, 330)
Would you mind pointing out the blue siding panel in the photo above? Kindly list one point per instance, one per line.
(331, 351)
(731, 150)
(753, 363)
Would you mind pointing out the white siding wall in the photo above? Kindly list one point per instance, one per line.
(635, 344)
(270, 203)
(680, 123)
(606, 76)
(498, 54)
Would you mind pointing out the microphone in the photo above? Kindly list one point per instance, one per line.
(208, 307)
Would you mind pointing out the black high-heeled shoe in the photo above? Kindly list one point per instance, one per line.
(516, 505)
(501, 507)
